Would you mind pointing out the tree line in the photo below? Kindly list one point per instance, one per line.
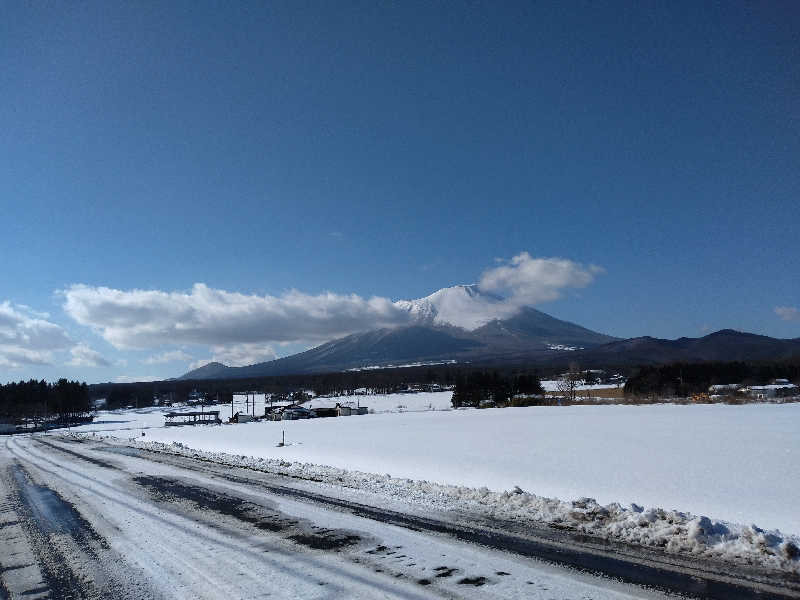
(686, 379)
(378, 381)
(497, 388)
(65, 400)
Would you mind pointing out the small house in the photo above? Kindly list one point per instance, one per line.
(241, 417)
(724, 388)
(325, 412)
(208, 417)
(292, 413)
(763, 392)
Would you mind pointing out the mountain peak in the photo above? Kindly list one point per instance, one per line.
(207, 371)
(464, 306)
(470, 289)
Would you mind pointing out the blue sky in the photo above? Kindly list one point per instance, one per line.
(387, 150)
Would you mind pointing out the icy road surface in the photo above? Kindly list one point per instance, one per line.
(86, 520)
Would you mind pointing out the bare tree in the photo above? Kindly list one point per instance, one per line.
(568, 382)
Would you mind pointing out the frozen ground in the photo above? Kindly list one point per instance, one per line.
(735, 463)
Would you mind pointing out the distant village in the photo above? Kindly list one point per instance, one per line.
(777, 388)
(251, 406)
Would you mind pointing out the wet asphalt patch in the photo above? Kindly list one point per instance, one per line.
(47, 517)
(51, 513)
(123, 450)
(476, 581)
(261, 517)
(326, 539)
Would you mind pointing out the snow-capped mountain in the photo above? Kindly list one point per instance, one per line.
(466, 325)
(459, 323)
(464, 306)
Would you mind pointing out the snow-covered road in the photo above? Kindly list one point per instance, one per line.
(85, 519)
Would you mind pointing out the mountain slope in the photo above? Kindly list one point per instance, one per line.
(213, 370)
(724, 345)
(532, 326)
(380, 347)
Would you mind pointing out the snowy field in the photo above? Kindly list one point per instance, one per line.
(736, 463)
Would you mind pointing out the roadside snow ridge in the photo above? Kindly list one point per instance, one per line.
(674, 531)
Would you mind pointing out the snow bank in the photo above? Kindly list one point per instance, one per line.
(674, 531)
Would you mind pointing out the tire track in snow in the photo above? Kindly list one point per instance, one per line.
(232, 548)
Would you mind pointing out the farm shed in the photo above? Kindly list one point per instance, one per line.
(208, 417)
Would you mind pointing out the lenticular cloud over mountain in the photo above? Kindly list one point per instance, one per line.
(207, 316)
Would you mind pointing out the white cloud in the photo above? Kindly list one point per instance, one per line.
(200, 362)
(84, 356)
(136, 378)
(167, 357)
(32, 312)
(205, 316)
(788, 313)
(528, 281)
(28, 339)
(12, 356)
(237, 355)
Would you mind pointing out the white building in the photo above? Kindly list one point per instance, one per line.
(724, 388)
(780, 390)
